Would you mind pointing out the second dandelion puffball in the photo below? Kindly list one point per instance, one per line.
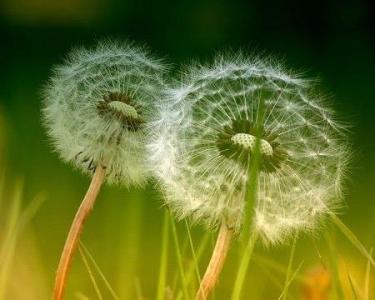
(206, 139)
(97, 105)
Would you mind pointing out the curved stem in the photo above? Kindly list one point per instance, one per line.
(71, 241)
(216, 263)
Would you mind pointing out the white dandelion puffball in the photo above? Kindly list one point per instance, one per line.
(97, 104)
(205, 140)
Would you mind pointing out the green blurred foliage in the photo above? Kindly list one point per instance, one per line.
(331, 40)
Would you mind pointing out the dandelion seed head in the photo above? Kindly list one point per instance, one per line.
(205, 141)
(97, 105)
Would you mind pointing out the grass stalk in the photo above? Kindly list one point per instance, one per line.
(8, 244)
(289, 282)
(353, 287)
(199, 253)
(91, 274)
(179, 260)
(367, 279)
(195, 260)
(333, 261)
(289, 270)
(264, 261)
(88, 255)
(164, 259)
(352, 238)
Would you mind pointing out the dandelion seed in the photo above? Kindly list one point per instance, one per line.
(96, 107)
(218, 121)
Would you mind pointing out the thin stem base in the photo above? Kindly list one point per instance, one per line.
(216, 263)
(71, 241)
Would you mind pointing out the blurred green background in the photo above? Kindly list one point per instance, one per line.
(332, 40)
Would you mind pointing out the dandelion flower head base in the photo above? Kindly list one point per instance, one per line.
(122, 108)
(248, 142)
(238, 142)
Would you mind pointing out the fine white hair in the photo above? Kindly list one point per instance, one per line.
(201, 178)
(96, 105)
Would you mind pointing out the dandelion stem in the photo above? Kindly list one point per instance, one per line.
(71, 241)
(244, 264)
(216, 263)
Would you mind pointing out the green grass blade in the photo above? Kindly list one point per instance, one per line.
(203, 244)
(164, 259)
(2, 183)
(284, 292)
(195, 260)
(352, 238)
(81, 296)
(367, 279)
(244, 264)
(8, 244)
(176, 277)
(99, 271)
(289, 282)
(91, 274)
(30, 211)
(353, 287)
(275, 266)
(332, 254)
(271, 278)
(179, 260)
(138, 289)
(199, 253)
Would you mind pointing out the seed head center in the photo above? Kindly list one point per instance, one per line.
(125, 109)
(248, 141)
